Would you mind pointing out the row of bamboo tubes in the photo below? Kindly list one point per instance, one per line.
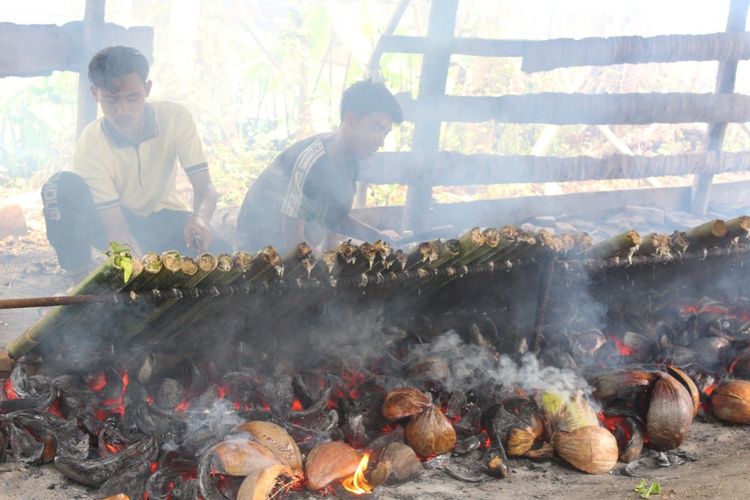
(224, 281)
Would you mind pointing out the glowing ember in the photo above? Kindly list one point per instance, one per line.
(614, 422)
(54, 409)
(709, 389)
(297, 405)
(623, 349)
(154, 467)
(98, 383)
(116, 404)
(10, 392)
(732, 366)
(182, 405)
(357, 484)
(221, 392)
(113, 448)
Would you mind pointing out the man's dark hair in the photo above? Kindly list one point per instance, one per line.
(367, 96)
(114, 62)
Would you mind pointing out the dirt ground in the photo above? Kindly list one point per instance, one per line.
(716, 457)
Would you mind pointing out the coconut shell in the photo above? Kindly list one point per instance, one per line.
(260, 483)
(404, 463)
(591, 449)
(670, 413)
(612, 385)
(688, 383)
(431, 433)
(731, 401)
(276, 439)
(328, 462)
(520, 440)
(239, 457)
(404, 402)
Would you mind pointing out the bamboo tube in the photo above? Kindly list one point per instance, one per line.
(151, 264)
(622, 245)
(655, 244)
(299, 263)
(396, 261)
(447, 252)
(421, 256)
(739, 226)
(107, 277)
(679, 242)
(707, 234)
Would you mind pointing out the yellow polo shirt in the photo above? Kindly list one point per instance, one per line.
(140, 177)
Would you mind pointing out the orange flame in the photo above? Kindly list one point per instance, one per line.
(358, 484)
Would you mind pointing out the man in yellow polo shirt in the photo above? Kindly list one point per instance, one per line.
(123, 184)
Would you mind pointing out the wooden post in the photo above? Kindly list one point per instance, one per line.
(373, 70)
(432, 81)
(724, 85)
(93, 23)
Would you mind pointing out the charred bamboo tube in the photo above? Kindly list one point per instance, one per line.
(523, 242)
(448, 251)
(708, 234)
(383, 250)
(365, 259)
(623, 245)
(421, 256)
(107, 277)
(396, 261)
(299, 263)
(679, 242)
(655, 244)
(266, 265)
(739, 226)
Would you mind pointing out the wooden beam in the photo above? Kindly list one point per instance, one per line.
(543, 55)
(40, 49)
(518, 210)
(725, 80)
(447, 168)
(591, 109)
(432, 82)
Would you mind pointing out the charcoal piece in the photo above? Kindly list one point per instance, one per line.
(354, 427)
(96, 472)
(679, 356)
(130, 482)
(68, 439)
(277, 392)
(157, 485)
(310, 387)
(466, 445)
(313, 409)
(170, 394)
(183, 489)
(456, 404)
(496, 461)
(463, 473)
(23, 446)
(3, 444)
(470, 421)
(394, 436)
(36, 401)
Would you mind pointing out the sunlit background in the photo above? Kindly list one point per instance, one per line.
(259, 75)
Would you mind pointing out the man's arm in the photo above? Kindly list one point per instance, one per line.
(197, 234)
(117, 228)
(358, 229)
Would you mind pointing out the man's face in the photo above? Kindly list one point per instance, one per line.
(366, 133)
(123, 104)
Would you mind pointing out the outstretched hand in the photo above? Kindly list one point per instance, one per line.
(197, 234)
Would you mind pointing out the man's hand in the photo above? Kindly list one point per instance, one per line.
(197, 234)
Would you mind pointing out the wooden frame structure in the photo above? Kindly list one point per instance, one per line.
(40, 49)
(425, 166)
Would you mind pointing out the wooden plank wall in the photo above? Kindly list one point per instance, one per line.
(425, 166)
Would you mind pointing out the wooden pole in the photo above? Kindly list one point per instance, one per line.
(432, 83)
(724, 85)
(93, 22)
